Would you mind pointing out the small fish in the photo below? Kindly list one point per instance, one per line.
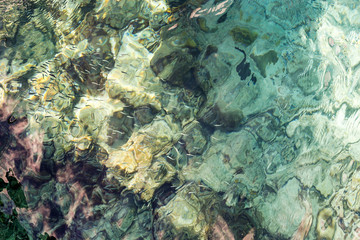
(177, 151)
(141, 150)
(11, 119)
(118, 131)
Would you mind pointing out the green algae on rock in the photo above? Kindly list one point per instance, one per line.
(262, 61)
(243, 35)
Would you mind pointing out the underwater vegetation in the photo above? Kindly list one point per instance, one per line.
(9, 222)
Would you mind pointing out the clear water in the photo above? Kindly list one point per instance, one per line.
(198, 119)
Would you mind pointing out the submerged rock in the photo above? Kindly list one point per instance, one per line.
(262, 61)
(117, 13)
(134, 74)
(186, 214)
(194, 138)
(137, 155)
(325, 226)
(175, 57)
(147, 180)
(243, 35)
(284, 206)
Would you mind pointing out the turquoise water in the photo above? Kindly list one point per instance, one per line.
(197, 119)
